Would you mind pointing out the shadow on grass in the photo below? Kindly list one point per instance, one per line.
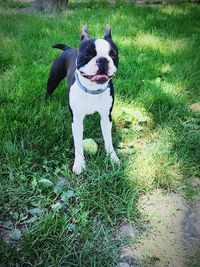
(166, 54)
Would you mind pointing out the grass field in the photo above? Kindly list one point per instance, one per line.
(48, 215)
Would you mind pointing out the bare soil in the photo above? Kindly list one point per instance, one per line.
(172, 238)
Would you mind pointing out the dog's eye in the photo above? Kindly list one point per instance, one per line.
(90, 53)
(112, 54)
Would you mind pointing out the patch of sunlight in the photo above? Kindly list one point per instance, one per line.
(164, 45)
(5, 11)
(128, 41)
(171, 45)
(174, 10)
(175, 87)
(128, 115)
(166, 68)
(144, 169)
(154, 162)
(46, 31)
(131, 120)
(7, 42)
(148, 40)
(68, 12)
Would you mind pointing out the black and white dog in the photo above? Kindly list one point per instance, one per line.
(89, 71)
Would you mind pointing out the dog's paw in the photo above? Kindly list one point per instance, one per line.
(114, 158)
(78, 166)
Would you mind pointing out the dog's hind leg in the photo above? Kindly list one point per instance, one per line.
(57, 73)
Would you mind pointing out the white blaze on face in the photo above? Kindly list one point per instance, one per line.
(102, 49)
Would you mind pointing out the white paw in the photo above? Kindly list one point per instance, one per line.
(78, 166)
(115, 158)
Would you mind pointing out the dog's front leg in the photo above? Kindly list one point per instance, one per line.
(106, 128)
(77, 130)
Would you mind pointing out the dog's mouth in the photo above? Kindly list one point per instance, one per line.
(98, 78)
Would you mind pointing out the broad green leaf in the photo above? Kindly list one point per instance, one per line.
(23, 216)
(59, 188)
(57, 206)
(15, 215)
(70, 193)
(32, 219)
(16, 234)
(72, 226)
(35, 203)
(64, 197)
(34, 183)
(45, 183)
(35, 211)
(7, 223)
(67, 195)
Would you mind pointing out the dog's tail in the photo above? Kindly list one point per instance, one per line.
(61, 46)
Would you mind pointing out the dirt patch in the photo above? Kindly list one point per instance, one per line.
(195, 107)
(173, 236)
(30, 9)
(127, 230)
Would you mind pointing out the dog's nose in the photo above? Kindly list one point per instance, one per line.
(101, 60)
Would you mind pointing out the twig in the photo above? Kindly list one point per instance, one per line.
(5, 227)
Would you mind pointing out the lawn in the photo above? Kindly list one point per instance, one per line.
(48, 215)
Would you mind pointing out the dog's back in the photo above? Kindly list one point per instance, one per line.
(63, 66)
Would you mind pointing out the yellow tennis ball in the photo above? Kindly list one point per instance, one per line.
(90, 146)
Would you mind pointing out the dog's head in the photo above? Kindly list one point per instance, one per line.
(97, 59)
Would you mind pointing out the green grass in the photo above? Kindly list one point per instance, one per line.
(14, 4)
(159, 75)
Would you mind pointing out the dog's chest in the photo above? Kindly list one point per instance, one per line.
(85, 103)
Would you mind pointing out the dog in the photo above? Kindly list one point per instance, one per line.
(89, 71)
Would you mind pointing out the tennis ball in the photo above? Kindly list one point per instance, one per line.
(90, 146)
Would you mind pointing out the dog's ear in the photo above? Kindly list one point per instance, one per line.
(107, 33)
(84, 33)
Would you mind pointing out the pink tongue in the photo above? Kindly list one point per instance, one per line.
(99, 77)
